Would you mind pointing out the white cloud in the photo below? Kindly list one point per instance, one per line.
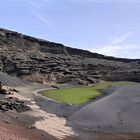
(115, 50)
(106, 1)
(42, 19)
(116, 47)
(120, 39)
(35, 6)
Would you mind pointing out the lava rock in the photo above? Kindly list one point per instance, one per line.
(11, 103)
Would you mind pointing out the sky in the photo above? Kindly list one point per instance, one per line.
(109, 27)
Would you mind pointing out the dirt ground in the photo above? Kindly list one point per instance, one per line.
(10, 130)
(39, 124)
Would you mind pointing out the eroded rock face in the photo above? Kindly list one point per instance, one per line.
(45, 62)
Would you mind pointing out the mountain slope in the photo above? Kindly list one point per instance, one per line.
(43, 61)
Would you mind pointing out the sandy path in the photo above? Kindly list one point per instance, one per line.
(49, 123)
(11, 130)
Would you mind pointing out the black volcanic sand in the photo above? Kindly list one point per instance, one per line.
(11, 81)
(117, 115)
(53, 107)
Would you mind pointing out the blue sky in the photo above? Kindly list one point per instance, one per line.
(110, 27)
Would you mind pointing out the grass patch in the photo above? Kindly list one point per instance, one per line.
(80, 95)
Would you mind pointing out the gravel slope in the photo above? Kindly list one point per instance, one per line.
(118, 112)
(10, 80)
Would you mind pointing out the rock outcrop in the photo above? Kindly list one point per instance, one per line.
(10, 103)
(42, 61)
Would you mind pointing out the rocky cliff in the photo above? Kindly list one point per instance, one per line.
(43, 61)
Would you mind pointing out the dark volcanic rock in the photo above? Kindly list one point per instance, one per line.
(3, 91)
(10, 103)
(43, 61)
